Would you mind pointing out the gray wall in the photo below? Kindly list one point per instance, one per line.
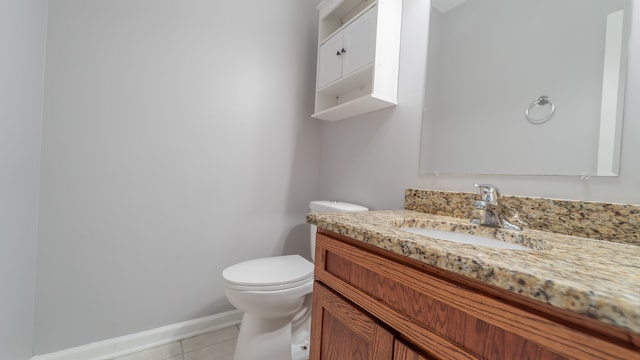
(371, 159)
(22, 36)
(177, 140)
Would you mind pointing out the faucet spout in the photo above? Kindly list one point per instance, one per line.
(490, 211)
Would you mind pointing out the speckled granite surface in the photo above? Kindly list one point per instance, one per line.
(602, 221)
(595, 278)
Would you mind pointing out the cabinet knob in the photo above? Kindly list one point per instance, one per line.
(338, 53)
(343, 51)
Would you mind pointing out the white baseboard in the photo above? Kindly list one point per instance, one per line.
(124, 345)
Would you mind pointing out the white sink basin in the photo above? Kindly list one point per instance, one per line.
(464, 238)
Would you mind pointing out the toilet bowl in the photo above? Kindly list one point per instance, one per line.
(275, 295)
(270, 291)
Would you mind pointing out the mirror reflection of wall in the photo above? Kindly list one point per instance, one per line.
(490, 59)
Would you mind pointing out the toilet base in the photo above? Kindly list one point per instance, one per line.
(301, 332)
(299, 353)
(261, 339)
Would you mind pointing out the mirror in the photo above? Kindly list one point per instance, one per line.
(525, 87)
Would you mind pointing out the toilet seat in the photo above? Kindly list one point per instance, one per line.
(269, 274)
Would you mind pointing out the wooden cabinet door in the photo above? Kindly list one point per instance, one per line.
(403, 352)
(341, 331)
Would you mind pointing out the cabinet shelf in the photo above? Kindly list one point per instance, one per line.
(357, 106)
(350, 96)
(358, 79)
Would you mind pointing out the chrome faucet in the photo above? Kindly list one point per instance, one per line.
(490, 210)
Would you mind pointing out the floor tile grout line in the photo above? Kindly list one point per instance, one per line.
(182, 354)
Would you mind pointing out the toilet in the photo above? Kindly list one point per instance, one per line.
(275, 295)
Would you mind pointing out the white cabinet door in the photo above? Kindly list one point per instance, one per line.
(359, 42)
(330, 60)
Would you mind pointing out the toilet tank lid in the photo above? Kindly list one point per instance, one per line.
(337, 206)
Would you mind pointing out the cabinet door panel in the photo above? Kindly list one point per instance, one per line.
(403, 352)
(329, 62)
(342, 331)
(359, 42)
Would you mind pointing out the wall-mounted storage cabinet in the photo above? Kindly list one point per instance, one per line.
(335, 62)
(358, 56)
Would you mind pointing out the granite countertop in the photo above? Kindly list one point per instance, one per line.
(596, 278)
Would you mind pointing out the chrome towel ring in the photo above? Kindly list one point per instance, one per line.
(541, 101)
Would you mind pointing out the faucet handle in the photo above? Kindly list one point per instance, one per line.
(489, 193)
(480, 205)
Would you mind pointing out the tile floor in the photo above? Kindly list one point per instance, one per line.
(216, 345)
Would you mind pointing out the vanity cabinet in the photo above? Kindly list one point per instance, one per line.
(369, 303)
(358, 57)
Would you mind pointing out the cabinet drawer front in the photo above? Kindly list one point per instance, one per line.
(480, 324)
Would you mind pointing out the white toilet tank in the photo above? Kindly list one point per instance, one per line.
(329, 206)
